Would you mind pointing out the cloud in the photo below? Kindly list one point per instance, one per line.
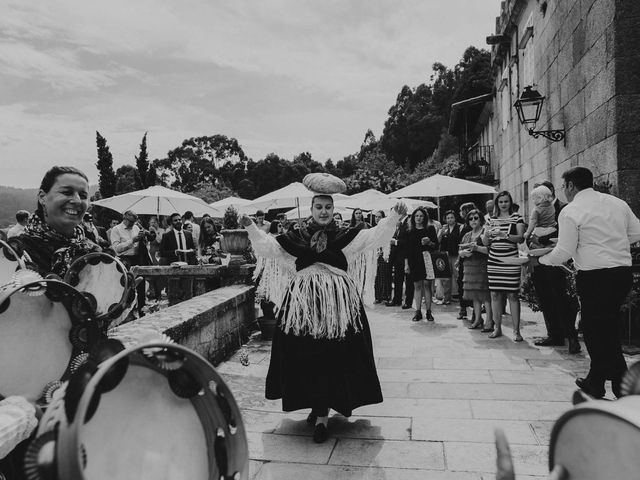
(281, 76)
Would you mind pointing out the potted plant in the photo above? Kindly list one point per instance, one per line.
(235, 240)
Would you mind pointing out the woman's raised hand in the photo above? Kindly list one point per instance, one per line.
(245, 220)
(400, 208)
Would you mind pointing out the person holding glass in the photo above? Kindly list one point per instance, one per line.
(475, 279)
(505, 231)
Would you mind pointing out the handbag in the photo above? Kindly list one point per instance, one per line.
(441, 267)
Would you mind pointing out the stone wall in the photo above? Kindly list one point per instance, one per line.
(214, 324)
(587, 65)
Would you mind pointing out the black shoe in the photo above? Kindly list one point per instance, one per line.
(587, 387)
(549, 342)
(406, 307)
(417, 317)
(320, 433)
(462, 314)
(574, 346)
(429, 316)
(392, 304)
(615, 387)
(311, 419)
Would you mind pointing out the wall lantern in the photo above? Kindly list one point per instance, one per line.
(483, 166)
(529, 107)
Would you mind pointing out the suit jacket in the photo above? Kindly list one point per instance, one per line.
(449, 241)
(169, 245)
(558, 205)
(397, 253)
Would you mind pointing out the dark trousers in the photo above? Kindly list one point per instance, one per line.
(558, 309)
(601, 295)
(399, 277)
(140, 289)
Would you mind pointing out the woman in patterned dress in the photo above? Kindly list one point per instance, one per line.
(505, 231)
(383, 280)
(420, 239)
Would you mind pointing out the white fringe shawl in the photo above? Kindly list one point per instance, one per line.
(321, 301)
(275, 277)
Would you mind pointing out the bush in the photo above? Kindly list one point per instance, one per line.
(230, 219)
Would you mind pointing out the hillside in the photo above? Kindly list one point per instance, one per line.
(14, 199)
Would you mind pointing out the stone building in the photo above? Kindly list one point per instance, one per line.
(583, 57)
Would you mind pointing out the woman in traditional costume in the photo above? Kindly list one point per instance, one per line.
(322, 353)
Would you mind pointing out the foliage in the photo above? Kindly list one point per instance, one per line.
(197, 161)
(107, 178)
(376, 171)
(529, 295)
(128, 179)
(230, 219)
(142, 163)
(212, 193)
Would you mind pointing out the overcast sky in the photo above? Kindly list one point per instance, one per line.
(282, 76)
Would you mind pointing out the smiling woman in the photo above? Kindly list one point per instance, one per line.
(54, 236)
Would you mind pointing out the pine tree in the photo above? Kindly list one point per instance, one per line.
(107, 177)
(142, 163)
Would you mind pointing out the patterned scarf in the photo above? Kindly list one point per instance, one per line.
(65, 249)
(316, 234)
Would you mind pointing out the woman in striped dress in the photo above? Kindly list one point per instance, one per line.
(505, 231)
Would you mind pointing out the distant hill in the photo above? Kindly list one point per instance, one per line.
(14, 199)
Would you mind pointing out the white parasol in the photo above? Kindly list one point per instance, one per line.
(159, 200)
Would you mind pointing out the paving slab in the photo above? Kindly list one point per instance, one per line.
(446, 388)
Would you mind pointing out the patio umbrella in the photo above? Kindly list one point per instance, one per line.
(225, 202)
(375, 200)
(290, 196)
(442, 186)
(159, 200)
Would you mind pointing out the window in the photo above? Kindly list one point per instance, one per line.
(528, 56)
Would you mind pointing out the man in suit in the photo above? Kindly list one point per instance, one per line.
(558, 309)
(397, 255)
(176, 239)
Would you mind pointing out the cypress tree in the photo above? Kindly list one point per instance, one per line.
(107, 177)
(142, 163)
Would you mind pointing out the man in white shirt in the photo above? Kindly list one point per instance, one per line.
(22, 216)
(125, 241)
(195, 228)
(261, 223)
(596, 230)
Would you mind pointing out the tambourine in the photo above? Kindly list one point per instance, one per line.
(153, 411)
(10, 261)
(46, 326)
(107, 280)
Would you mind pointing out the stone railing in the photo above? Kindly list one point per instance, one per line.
(214, 324)
(189, 281)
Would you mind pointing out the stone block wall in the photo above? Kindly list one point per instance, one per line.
(214, 324)
(587, 65)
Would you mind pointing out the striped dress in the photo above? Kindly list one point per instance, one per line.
(503, 277)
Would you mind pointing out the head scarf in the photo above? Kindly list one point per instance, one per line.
(65, 249)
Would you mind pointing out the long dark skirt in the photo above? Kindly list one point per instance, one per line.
(319, 373)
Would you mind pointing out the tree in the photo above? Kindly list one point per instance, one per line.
(376, 171)
(142, 162)
(212, 193)
(127, 179)
(107, 178)
(306, 161)
(197, 161)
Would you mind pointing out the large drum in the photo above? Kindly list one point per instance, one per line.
(10, 261)
(106, 279)
(598, 440)
(46, 326)
(154, 411)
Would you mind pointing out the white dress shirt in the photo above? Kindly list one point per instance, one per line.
(16, 230)
(596, 230)
(122, 240)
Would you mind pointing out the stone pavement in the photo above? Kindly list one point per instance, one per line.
(445, 389)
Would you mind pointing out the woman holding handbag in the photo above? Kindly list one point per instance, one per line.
(421, 239)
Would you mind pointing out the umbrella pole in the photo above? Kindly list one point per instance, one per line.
(298, 206)
(439, 209)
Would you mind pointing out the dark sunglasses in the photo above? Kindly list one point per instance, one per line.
(474, 218)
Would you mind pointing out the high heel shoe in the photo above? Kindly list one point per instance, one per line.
(517, 337)
(496, 333)
(488, 329)
(477, 324)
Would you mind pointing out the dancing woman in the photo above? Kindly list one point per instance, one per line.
(322, 353)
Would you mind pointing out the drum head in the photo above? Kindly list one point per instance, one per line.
(35, 345)
(593, 444)
(142, 430)
(105, 278)
(152, 412)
